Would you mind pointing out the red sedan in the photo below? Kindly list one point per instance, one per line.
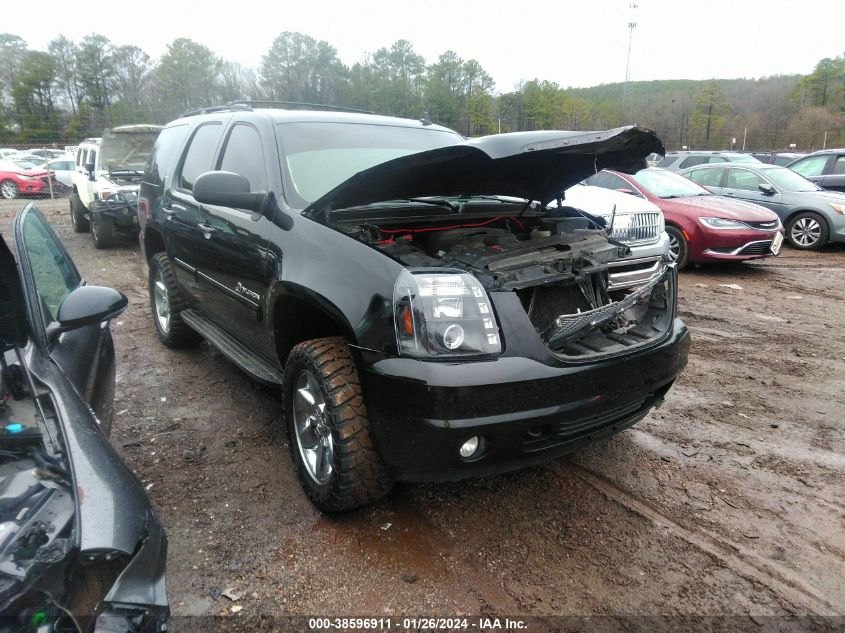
(702, 227)
(16, 181)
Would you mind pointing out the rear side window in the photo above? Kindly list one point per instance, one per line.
(706, 177)
(667, 160)
(200, 154)
(164, 153)
(839, 166)
(243, 155)
(811, 166)
(91, 158)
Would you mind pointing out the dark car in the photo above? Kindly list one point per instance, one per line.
(80, 546)
(424, 314)
(825, 168)
(776, 158)
(701, 227)
(812, 216)
(676, 161)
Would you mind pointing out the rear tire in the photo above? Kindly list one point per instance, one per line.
(77, 214)
(678, 246)
(102, 230)
(326, 416)
(167, 303)
(807, 231)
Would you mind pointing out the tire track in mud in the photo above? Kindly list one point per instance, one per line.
(784, 582)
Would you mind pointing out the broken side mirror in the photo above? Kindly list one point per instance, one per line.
(767, 189)
(84, 306)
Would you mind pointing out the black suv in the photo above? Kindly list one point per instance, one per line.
(426, 315)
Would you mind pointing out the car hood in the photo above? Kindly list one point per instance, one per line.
(825, 195)
(600, 201)
(728, 208)
(533, 165)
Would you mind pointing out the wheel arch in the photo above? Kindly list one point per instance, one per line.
(298, 314)
(795, 212)
(153, 242)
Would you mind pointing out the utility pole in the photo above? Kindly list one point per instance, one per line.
(631, 26)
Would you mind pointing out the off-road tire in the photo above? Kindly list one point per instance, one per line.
(359, 476)
(77, 214)
(102, 230)
(179, 334)
(824, 230)
(683, 246)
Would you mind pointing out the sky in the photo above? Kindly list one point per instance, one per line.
(574, 44)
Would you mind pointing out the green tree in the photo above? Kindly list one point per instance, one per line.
(445, 89)
(709, 113)
(66, 52)
(33, 96)
(299, 68)
(825, 86)
(187, 77)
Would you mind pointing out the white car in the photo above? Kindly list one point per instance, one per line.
(62, 168)
(105, 182)
(637, 223)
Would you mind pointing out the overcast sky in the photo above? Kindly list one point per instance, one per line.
(580, 43)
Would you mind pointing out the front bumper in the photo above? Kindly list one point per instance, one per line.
(735, 245)
(641, 266)
(123, 214)
(526, 410)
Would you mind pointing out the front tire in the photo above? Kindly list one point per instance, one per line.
(678, 246)
(807, 231)
(102, 230)
(328, 428)
(167, 303)
(77, 214)
(9, 189)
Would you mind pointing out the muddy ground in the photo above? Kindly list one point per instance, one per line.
(728, 500)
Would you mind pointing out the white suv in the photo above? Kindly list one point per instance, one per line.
(105, 182)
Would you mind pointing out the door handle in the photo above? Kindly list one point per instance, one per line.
(207, 229)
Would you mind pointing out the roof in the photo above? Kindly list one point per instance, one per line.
(279, 115)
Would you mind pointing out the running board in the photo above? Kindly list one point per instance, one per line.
(233, 349)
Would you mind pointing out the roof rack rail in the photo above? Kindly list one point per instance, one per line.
(222, 108)
(296, 105)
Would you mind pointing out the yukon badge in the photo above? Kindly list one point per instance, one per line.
(243, 290)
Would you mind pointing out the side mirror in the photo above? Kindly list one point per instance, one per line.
(767, 189)
(226, 189)
(84, 306)
(89, 169)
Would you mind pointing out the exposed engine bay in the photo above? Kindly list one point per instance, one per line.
(557, 263)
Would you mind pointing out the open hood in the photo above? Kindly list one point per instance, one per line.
(532, 165)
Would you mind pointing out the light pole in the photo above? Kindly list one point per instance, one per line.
(631, 26)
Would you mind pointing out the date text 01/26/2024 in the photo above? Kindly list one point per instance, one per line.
(415, 624)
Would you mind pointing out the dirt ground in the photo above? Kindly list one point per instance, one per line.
(727, 501)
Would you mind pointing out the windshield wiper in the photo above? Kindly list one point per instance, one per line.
(437, 202)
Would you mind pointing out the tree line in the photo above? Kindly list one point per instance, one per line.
(75, 89)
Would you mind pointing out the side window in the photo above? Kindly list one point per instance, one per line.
(839, 166)
(165, 151)
(80, 157)
(53, 273)
(601, 179)
(200, 154)
(706, 177)
(667, 160)
(692, 161)
(744, 180)
(243, 155)
(716, 159)
(811, 166)
(92, 158)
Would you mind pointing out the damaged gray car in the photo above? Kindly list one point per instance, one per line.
(80, 547)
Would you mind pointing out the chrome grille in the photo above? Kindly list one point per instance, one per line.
(632, 228)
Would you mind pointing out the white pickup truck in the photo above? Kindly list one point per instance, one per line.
(104, 196)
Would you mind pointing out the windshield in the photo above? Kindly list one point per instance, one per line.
(788, 180)
(320, 156)
(126, 150)
(666, 184)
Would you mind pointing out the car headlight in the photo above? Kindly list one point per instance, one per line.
(839, 208)
(25, 177)
(721, 223)
(443, 314)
